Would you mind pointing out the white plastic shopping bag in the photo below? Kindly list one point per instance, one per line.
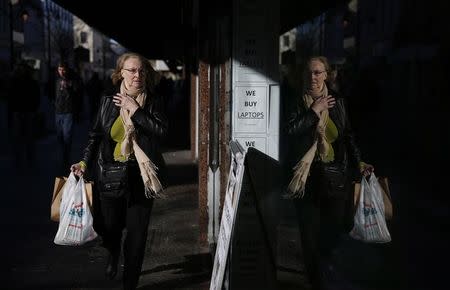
(369, 221)
(76, 223)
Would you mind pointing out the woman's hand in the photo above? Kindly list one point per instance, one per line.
(323, 103)
(126, 102)
(77, 169)
(366, 169)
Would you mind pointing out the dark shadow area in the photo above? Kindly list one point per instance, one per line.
(181, 283)
(193, 264)
(178, 174)
(176, 97)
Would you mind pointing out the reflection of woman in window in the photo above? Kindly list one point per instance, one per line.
(324, 152)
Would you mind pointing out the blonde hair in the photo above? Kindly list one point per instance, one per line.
(151, 76)
(321, 59)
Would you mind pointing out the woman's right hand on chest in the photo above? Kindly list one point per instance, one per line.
(323, 103)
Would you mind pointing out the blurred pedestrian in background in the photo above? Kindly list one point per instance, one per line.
(68, 100)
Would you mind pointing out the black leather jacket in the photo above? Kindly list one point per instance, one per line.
(150, 125)
(301, 128)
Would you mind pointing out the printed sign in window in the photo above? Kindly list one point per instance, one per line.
(251, 110)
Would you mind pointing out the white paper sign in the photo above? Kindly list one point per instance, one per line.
(250, 114)
(255, 142)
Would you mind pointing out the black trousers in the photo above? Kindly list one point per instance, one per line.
(131, 212)
(323, 215)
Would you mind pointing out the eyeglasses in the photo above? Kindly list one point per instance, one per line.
(133, 71)
(315, 72)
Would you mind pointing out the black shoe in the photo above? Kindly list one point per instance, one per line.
(111, 266)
